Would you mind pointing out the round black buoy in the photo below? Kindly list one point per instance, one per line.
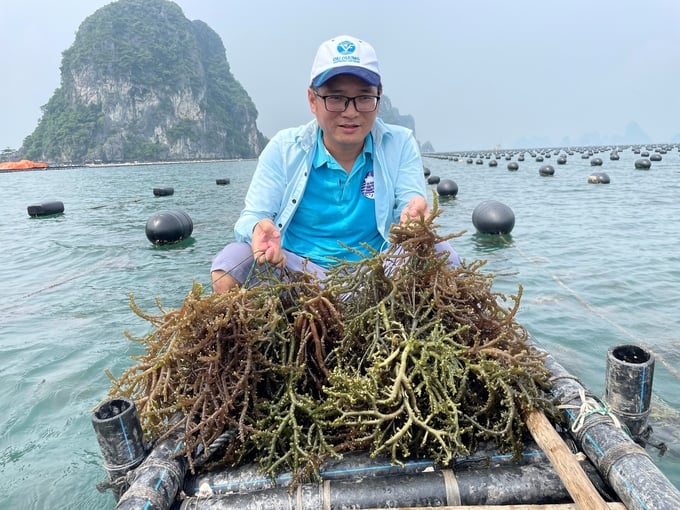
(655, 157)
(561, 160)
(546, 170)
(447, 188)
(513, 166)
(493, 162)
(426, 171)
(596, 162)
(168, 227)
(598, 178)
(433, 179)
(46, 208)
(222, 182)
(163, 192)
(614, 156)
(643, 164)
(492, 217)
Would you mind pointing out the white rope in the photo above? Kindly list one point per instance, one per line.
(587, 409)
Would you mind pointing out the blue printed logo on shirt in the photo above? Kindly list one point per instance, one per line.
(368, 186)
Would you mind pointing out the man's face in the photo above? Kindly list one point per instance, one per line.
(344, 131)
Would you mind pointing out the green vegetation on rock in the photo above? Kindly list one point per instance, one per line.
(142, 82)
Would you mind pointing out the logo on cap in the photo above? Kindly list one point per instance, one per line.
(346, 48)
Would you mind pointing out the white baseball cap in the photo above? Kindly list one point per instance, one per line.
(345, 54)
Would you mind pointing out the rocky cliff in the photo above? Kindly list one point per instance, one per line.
(141, 82)
(391, 115)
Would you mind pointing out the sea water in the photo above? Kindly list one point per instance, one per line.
(599, 265)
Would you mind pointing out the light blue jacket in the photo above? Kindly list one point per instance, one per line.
(283, 168)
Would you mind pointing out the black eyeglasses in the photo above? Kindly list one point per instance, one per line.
(363, 104)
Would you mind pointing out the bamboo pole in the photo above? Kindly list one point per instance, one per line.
(566, 465)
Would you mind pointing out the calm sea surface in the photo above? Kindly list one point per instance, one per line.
(599, 265)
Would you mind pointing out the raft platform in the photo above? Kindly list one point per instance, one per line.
(594, 462)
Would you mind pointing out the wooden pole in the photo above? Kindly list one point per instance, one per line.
(565, 463)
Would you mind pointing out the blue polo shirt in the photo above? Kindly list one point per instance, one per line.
(336, 210)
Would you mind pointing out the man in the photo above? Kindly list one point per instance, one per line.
(322, 191)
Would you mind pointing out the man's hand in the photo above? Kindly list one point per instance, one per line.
(266, 244)
(416, 208)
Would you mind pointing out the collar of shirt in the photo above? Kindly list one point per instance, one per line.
(323, 157)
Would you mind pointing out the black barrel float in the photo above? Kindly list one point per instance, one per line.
(46, 208)
(163, 192)
(493, 217)
(166, 227)
(598, 178)
(433, 179)
(596, 162)
(447, 188)
(222, 182)
(546, 170)
(643, 164)
(513, 165)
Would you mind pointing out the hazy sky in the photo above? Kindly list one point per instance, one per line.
(475, 74)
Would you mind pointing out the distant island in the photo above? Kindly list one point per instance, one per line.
(143, 83)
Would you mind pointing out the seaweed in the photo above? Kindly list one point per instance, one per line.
(398, 353)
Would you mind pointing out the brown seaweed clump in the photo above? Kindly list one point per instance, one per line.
(398, 354)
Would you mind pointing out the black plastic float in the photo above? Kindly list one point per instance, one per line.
(493, 217)
(643, 164)
(546, 170)
(167, 227)
(598, 178)
(447, 188)
(46, 208)
(163, 192)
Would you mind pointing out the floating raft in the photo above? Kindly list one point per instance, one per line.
(595, 464)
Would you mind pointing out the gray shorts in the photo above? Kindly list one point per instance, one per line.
(237, 260)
